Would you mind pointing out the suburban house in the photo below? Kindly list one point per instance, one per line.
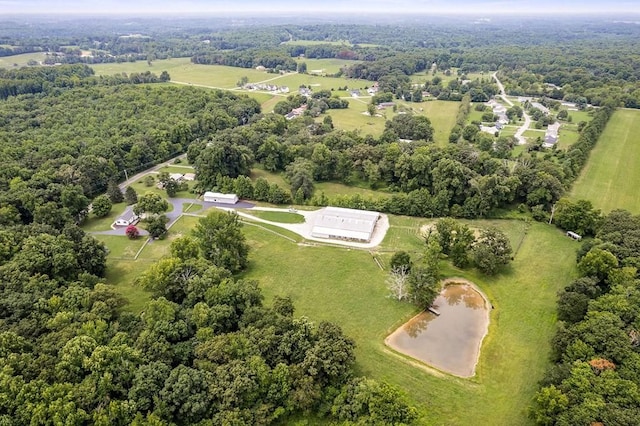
(296, 112)
(384, 105)
(127, 218)
(551, 136)
(189, 176)
(218, 197)
(345, 224)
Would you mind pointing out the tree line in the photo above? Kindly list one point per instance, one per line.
(205, 349)
(465, 179)
(595, 378)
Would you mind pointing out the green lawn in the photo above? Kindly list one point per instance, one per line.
(352, 293)
(93, 224)
(441, 113)
(280, 217)
(21, 60)
(325, 66)
(611, 177)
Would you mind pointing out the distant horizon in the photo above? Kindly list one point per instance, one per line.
(275, 8)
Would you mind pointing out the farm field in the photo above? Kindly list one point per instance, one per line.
(424, 76)
(346, 43)
(612, 174)
(325, 66)
(21, 60)
(182, 71)
(441, 113)
(514, 354)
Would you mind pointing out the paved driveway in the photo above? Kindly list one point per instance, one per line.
(175, 213)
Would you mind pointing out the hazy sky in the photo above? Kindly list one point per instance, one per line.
(252, 7)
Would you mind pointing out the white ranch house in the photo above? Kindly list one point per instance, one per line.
(127, 218)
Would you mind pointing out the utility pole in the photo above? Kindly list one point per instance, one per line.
(126, 176)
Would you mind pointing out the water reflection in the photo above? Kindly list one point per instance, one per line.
(450, 341)
(418, 324)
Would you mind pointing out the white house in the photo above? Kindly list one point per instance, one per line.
(345, 224)
(217, 197)
(127, 218)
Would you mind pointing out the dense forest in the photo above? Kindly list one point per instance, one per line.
(596, 375)
(206, 348)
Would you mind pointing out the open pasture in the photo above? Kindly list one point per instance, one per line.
(346, 286)
(441, 113)
(611, 177)
(22, 60)
(325, 66)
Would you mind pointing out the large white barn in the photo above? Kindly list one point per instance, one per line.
(218, 197)
(345, 224)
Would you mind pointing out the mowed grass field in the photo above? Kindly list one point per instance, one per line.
(325, 66)
(611, 177)
(347, 287)
(17, 61)
(441, 113)
(182, 71)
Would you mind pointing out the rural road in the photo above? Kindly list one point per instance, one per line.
(527, 120)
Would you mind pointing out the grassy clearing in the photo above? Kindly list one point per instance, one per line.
(21, 60)
(345, 43)
(280, 217)
(326, 66)
(514, 354)
(612, 173)
(276, 178)
(294, 81)
(142, 189)
(441, 113)
(333, 189)
(346, 286)
(330, 189)
(93, 224)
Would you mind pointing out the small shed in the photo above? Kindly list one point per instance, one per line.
(574, 235)
(218, 197)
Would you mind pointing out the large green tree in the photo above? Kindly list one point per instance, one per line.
(222, 241)
(491, 251)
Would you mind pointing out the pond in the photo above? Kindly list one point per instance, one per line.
(451, 340)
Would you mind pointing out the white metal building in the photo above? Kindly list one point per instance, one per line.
(217, 197)
(345, 224)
